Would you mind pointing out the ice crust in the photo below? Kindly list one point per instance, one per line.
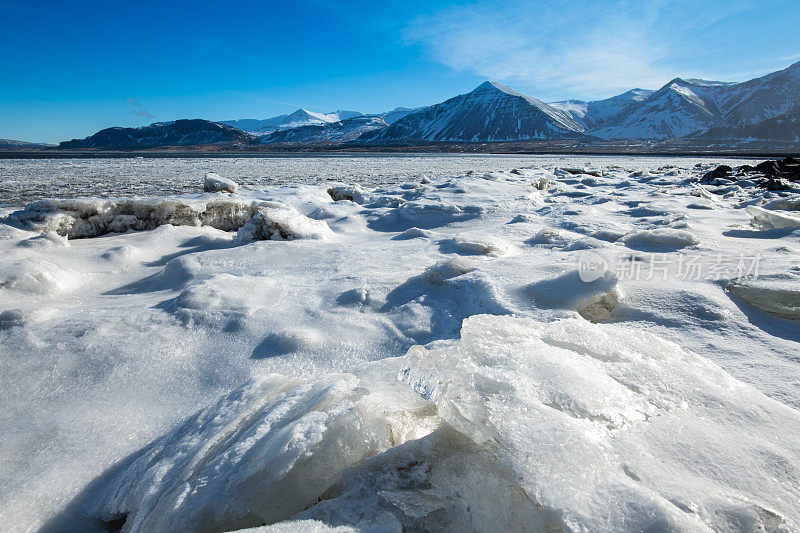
(216, 362)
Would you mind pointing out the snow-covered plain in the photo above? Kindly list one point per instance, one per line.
(424, 351)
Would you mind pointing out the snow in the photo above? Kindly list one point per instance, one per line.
(205, 361)
(277, 221)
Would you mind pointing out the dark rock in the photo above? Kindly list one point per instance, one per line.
(774, 185)
(770, 168)
(721, 171)
(746, 168)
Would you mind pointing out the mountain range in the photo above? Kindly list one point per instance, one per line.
(684, 111)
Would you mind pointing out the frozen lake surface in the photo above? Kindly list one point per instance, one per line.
(404, 343)
(25, 180)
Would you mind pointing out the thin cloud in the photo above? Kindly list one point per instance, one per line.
(139, 110)
(578, 48)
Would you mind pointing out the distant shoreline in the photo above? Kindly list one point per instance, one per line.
(384, 151)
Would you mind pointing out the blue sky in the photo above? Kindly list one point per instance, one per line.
(72, 68)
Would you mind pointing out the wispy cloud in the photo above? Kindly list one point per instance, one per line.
(138, 109)
(582, 48)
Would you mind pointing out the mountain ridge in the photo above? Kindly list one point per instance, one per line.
(684, 109)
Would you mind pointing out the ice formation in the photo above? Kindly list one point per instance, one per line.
(210, 361)
(216, 183)
(277, 221)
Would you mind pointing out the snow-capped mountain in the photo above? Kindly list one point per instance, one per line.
(691, 107)
(680, 108)
(491, 112)
(334, 132)
(760, 99)
(184, 132)
(12, 143)
(596, 112)
(399, 112)
(785, 127)
(299, 118)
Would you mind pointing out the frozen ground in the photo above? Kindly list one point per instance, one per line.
(24, 180)
(543, 346)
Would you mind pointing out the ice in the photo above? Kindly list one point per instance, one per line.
(94, 217)
(175, 371)
(260, 454)
(353, 193)
(767, 219)
(216, 183)
(277, 221)
(607, 429)
(780, 297)
(473, 246)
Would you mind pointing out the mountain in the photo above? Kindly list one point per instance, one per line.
(680, 108)
(11, 143)
(785, 128)
(183, 132)
(399, 112)
(491, 112)
(763, 98)
(335, 132)
(299, 118)
(595, 112)
(689, 107)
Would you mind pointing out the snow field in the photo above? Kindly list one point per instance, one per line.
(218, 361)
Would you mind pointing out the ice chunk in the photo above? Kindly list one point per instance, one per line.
(95, 217)
(260, 454)
(277, 221)
(772, 219)
(216, 183)
(607, 428)
(780, 297)
(353, 193)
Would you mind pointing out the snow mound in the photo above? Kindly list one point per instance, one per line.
(423, 216)
(605, 428)
(95, 217)
(216, 183)
(660, 239)
(594, 300)
(549, 236)
(39, 277)
(51, 239)
(767, 219)
(280, 222)
(474, 246)
(222, 300)
(353, 193)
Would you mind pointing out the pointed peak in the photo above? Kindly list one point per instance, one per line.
(493, 86)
